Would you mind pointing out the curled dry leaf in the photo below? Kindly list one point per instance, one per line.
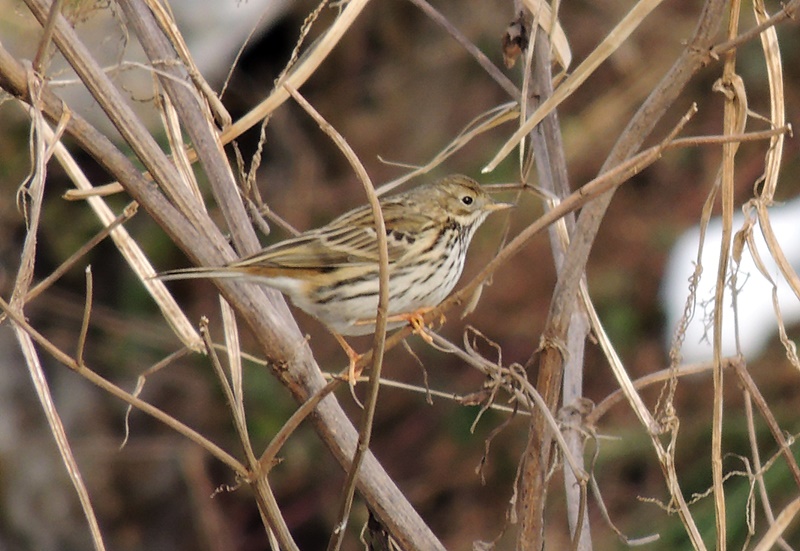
(515, 40)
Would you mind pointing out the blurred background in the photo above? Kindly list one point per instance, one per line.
(398, 89)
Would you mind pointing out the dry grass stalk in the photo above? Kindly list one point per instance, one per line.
(558, 427)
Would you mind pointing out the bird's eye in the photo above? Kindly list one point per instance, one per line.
(467, 199)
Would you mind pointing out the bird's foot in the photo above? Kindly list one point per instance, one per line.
(416, 320)
(353, 371)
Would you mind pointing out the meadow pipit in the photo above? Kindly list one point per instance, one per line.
(332, 272)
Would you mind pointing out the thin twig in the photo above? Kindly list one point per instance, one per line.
(87, 314)
(47, 35)
(777, 529)
(577, 77)
(59, 434)
(758, 466)
(528, 396)
(267, 459)
(31, 196)
(379, 342)
(735, 118)
(127, 213)
(643, 382)
(268, 505)
(195, 118)
(491, 69)
(117, 392)
(238, 422)
(140, 382)
(763, 407)
(299, 73)
(786, 13)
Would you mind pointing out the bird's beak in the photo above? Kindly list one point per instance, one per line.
(492, 207)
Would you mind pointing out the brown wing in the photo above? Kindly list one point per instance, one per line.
(348, 240)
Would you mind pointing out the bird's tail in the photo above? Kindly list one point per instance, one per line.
(199, 273)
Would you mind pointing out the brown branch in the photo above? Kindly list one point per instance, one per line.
(47, 35)
(127, 213)
(551, 167)
(379, 338)
(267, 504)
(786, 13)
(196, 120)
(563, 302)
(750, 386)
(734, 120)
(491, 69)
(117, 392)
(197, 236)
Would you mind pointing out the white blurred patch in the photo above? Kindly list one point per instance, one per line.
(755, 316)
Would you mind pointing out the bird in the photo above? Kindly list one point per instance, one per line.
(332, 272)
